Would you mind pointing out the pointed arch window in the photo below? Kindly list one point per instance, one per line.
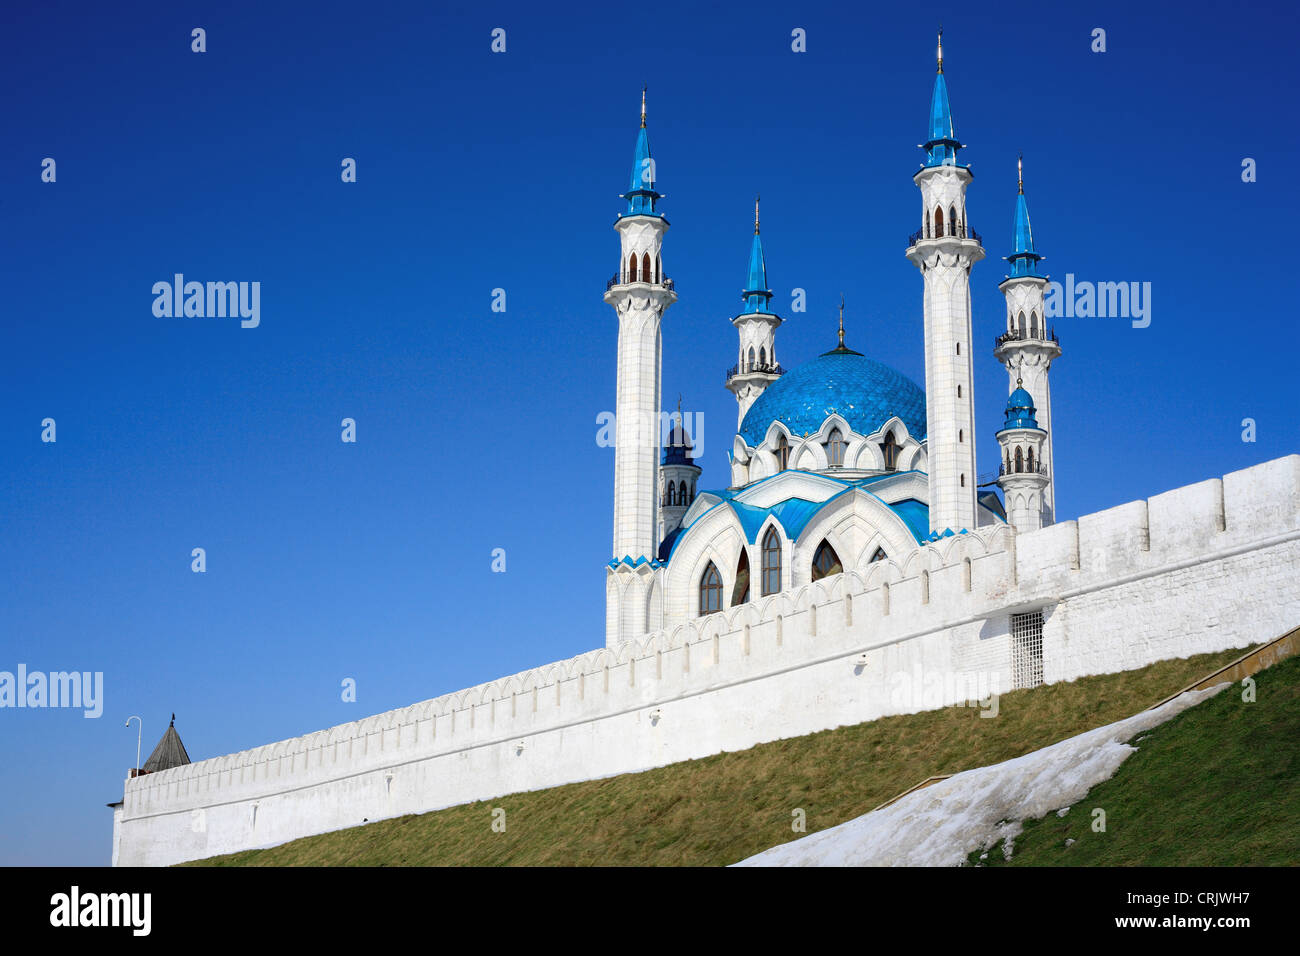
(631, 268)
(1020, 321)
(938, 221)
(762, 357)
(889, 448)
(669, 494)
(1020, 459)
(740, 593)
(750, 364)
(710, 591)
(1031, 460)
(835, 449)
(927, 224)
(782, 454)
(878, 556)
(952, 220)
(1033, 324)
(825, 562)
(771, 562)
(681, 493)
(645, 268)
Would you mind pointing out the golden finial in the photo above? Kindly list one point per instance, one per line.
(756, 198)
(841, 320)
(940, 70)
(1020, 173)
(643, 89)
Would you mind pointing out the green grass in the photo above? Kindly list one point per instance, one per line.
(723, 808)
(1219, 785)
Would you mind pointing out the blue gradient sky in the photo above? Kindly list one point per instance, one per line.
(476, 430)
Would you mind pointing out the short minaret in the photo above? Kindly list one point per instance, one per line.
(944, 249)
(1028, 347)
(1022, 475)
(756, 367)
(639, 293)
(677, 477)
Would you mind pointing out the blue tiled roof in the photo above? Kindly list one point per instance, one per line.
(866, 393)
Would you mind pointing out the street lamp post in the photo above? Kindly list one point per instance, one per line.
(138, 734)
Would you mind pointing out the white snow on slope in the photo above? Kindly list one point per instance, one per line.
(942, 824)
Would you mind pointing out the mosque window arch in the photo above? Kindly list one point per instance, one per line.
(710, 590)
(835, 449)
(771, 562)
(889, 448)
(938, 221)
(740, 593)
(927, 224)
(878, 556)
(825, 562)
(952, 220)
(1020, 459)
(782, 453)
(1030, 466)
(1033, 324)
(645, 268)
(681, 493)
(762, 356)
(1020, 323)
(631, 268)
(750, 364)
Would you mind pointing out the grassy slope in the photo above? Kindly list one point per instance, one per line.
(723, 808)
(1219, 785)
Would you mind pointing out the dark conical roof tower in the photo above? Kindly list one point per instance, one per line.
(169, 753)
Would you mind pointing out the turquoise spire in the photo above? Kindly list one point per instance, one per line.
(641, 195)
(1024, 261)
(941, 148)
(758, 296)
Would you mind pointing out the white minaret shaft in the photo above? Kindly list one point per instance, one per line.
(639, 293)
(1028, 347)
(944, 249)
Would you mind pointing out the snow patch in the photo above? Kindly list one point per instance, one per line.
(944, 823)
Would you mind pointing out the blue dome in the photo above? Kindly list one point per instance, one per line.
(864, 392)
(1020, 410)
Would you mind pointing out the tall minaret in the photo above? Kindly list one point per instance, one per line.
(639, 293)
(1028, 347)
(944, 249)
(756, 367)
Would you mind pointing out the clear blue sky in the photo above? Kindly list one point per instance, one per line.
(476, 430)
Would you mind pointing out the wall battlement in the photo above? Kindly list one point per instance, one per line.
(1204, 567)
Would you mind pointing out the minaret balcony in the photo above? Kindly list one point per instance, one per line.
(616, 279)
(1040, 336)
(960, 232)
(755, 368)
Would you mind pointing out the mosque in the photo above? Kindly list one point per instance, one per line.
(836, 464)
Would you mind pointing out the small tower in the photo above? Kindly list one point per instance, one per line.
(639, 294)
(756, 367)
(944, 249)
(1028, 347)
(1022, 476)
(677, 475)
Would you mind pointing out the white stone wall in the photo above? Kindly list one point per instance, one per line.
(1210, 566)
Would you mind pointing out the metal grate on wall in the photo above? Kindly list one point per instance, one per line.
(1026, 649)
